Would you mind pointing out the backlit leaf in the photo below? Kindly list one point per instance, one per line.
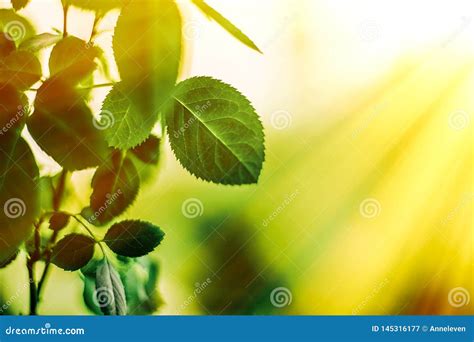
(226, 24)
(133, 238)
(19, 4)
(63, 126)
(16, 27)
(148, 151)
(115, 186)
(13, 109)
(73, 252)
(110, 293)
(215, 132)
(40, 41)
(21, 69)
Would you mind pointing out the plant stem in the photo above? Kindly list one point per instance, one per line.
(65, 10)
(90, 233)
(110, 84)
(97, 18)
(31, 279)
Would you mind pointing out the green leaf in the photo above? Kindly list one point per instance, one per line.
(147, 49)
(21, 69)
(58, 221)
(148, 151)
(7, 45)
(88, 295)
(110, 293)
(73, 252)
(19, 4)
(18, 192)
(215, 132)
(226, 24)
(133, 238)
(72, 59)
(115, 186)
(16, 27)
(124, 124)
(8, 260)
(63, 127)
(40, 41)
(13, 109)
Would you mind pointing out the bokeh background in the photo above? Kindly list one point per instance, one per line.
(365, 202)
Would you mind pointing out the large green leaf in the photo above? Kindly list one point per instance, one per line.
(133, 238)
(115, 186)
(72, 59)
(124, 124)
(226, 24)
(73, 252)
(215, 132)
(21, 69)
(147, 49)
(63, 127)
(110, 293)
(18, 193)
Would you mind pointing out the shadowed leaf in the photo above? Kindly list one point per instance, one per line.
(21, 69)
(73, 252)
(148, 151)
(110, 293)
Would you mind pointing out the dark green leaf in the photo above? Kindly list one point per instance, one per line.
(14, 26)
(21, 69)
(110, 293)
(72, 59)
(147, 49)
(40, 41)
(115, 186)
(58, 221)
(18, 192)
(19, 4)
(8, 260)
(63, 127)
(133, 238)
(73, 252)
(225, 23)
(148, 151)
(215, 132)
(13, 109)
(7, 45)
(124, 124)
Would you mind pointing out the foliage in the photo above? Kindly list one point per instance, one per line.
(213, 130)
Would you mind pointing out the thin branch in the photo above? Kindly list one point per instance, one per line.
(65, 11)
(31, 279)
